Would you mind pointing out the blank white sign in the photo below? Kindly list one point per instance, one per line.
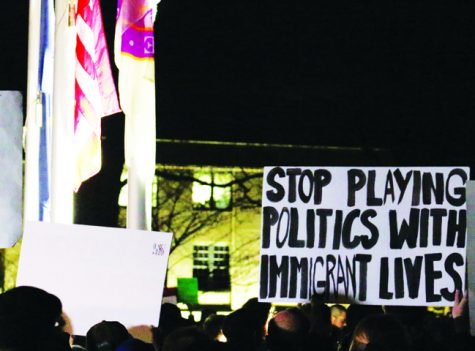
(11, 121)
(98, 273)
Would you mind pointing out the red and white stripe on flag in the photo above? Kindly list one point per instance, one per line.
(95, 92)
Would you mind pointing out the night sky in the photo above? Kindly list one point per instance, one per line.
(399, 75)
(14, 45)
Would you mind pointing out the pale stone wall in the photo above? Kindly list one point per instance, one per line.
(240, 230)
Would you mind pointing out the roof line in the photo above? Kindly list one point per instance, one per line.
(263, 145)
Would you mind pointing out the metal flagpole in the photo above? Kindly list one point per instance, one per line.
(63, 114)
(32, 132)
(134, 56)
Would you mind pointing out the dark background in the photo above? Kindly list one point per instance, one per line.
(374, 73)
(14, 45)
(398, 75)
(394, 75)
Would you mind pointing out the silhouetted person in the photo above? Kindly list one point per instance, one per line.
(287, 331)
(205, 313)
(213, 326)
(261, 311)
(170, 320)
(383, 332)
(106, 336)
(414, 318)
(78, 343)
(242, 330)
(189, 339)
(436, 333)
(463, 339)
(30, 319)
(338, 321)
(354, 314)
(134, 345)
(320, 334)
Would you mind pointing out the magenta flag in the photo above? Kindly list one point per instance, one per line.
(135, 24)
(134, 48)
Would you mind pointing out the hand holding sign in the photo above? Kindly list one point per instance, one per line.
(460, 304)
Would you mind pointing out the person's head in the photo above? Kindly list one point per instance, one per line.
(338, 316)
(170, 317)
(320, 312)
(205, 313)
(380, 330)
(261, 312)
(242, 327)
(106, 336)
(320, 317)
(213, 326)
(260, 309)
(33, 305)
(30, 318)
(134, 345)
(170, 320)
(355, 313)
(188, 339)
(287, 330)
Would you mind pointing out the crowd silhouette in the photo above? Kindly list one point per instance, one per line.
(32, 319)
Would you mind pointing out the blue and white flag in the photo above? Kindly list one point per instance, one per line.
(45, 89)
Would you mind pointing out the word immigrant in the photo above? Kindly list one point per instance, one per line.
(366, 235)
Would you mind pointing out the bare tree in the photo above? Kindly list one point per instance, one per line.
(175, 211)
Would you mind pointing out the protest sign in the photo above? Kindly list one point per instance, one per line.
(11, 121)
(391, 236)
(187, 290)
(471, 252)
(98, 273)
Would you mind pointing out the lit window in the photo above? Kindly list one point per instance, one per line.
(212, 194)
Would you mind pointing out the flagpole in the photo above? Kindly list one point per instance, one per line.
(32, 125)
(140, 146)
(63, 115)
(134, 56)
(139, 202)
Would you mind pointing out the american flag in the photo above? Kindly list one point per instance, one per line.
(95, 93)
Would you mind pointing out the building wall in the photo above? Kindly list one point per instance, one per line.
(238, 228)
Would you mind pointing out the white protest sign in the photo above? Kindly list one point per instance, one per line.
(98, 273)
(390, 236)
(471, 253)
(11, 121)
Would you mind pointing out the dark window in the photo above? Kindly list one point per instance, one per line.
(211, 267)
